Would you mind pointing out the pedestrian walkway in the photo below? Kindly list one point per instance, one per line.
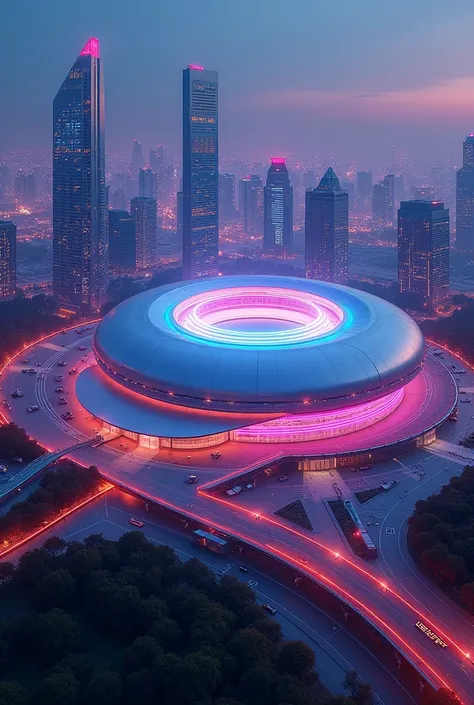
(452, 451)
(33, 468)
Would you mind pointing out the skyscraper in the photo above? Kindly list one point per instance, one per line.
(146, 183)
(363, 191)
(227, 195)
(327, 231)
(122, 241)
(200, 173)
(465, 198)
(143, 211)
(423, 252)
(79, 197)
(7, 260)
(25, 188)
(251, 204)
(278, 208)
(383, 204)
(137, 156)
(157, 165)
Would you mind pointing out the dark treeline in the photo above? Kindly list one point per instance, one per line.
(24, 320)
(15, 443)
(441, 537)
(60, 488)
(455, 331)
(125, 622)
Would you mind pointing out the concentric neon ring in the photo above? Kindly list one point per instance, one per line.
(204, 314)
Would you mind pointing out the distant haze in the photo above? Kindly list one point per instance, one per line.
(358, 79)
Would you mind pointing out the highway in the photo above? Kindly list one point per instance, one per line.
(385, 593)
(336, 651)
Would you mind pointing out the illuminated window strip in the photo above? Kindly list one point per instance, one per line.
(311, 427)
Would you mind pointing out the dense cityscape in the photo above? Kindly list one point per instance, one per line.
(236, 437)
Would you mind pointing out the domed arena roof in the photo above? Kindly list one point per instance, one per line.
(262, 344)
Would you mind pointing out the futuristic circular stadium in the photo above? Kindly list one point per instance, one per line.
(250, 359)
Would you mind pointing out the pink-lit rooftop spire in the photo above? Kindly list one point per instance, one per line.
(91, 48)
(277, 160)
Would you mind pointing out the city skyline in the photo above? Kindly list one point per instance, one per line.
(357, 106)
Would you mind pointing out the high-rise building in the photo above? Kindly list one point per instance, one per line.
(137, 156)
(79, 197)
(251, 204)
(383, 204)
(423, 252)
(157, 165)
(146, 183)
(143, 211)
(118, 200)
(200, 173)
(349, 186)
(465, 198)
(122, 241)
(227, 195)
(25, 188)
(327, 230)
(364, 191)
(278, 208)
(7, 260)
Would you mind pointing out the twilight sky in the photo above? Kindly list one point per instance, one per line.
(357, 78)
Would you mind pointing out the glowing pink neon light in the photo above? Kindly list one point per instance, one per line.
(277, 160)
(297, 428)
(195, 67)
(91, 48)
(314, 315)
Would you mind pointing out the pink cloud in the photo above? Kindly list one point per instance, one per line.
(450, 99)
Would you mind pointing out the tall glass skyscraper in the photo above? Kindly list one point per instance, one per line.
(278, 208)
(423, 252)
(327, 230)
(251, 204)
(122, 241)
(465, 198)
(7, 260)
(79, 196)
(143, 211)
(200, 173)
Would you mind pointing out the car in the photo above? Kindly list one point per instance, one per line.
(192, 479)
(17, 459)
(303, 560)
(58, 390)
(243, 569)
(67, 416)
(82, 347)
(37, 364)
(237, 489)
(465, 401)
(17, 393)
(73, 371)
(25, 360)
(58, 378)
(63, 345)
(230, 493)
(216, 455)
(34, 407)
(24, 370)
(63, 332)
(282, 478)
(3, 468)
(270, 609)
(136, 522)
(62, 402)
(362, 468)
(62, 363)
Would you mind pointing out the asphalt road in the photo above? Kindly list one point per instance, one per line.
(393, 607)
(336, 651)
